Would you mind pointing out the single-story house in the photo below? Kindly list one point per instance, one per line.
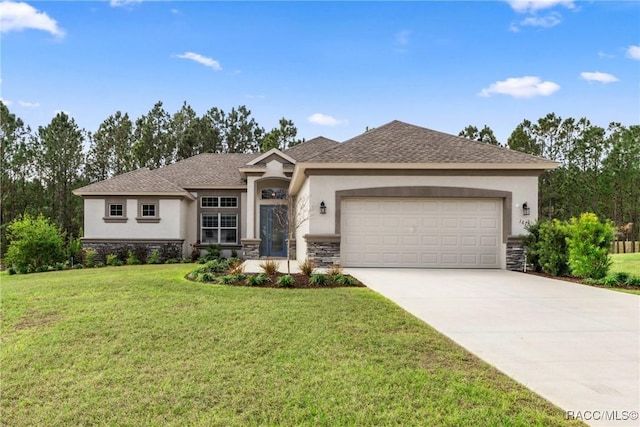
(395, 196)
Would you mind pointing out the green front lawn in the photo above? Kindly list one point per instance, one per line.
(628, 263)
(141, 345)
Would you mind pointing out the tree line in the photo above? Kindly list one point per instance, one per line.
(40, 168)
(599, 168)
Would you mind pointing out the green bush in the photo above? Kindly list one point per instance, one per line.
(213, 252)
(552, 248)
(132, 259)
(11, 271)
(588, 242)
(112, 259)
(154, 258)
(78, 266)
(35, 242)
(318, 279)
(74, 250)
(632, 281)
(610, 281)
(532, 243)
(59, 266)
(286, 281)
(344, 280)
(258, 279)
(229, 279)
(90, 257)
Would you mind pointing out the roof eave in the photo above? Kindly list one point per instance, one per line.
(299, 172)
(184, 194)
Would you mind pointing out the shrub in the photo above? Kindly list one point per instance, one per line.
(552, 248)
(11, 271)
(154, 258)
(34, 241)
(234, 253)
(132, 259)
(236, 266)
(258, 279)
(588, 243)
(344, 280)
(333, 270)
(307, 267)
(90, 257)
(531, 242)
(610, 281)
(622, 277)
(42, 269)
(286, 281)
(229, 279)
(58, 266)
(318, 279)
(112, 259)
(74, 250)
(269, 266)
(632, 281)
(78, 266)
(213, 252)
(172, 261)
(207, 277)
(98, 264)
(24, 269)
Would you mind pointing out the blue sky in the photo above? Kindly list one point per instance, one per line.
(334, 68)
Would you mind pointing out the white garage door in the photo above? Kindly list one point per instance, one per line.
(436, 233)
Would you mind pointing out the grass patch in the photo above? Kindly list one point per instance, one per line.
(627, 263)
(141, 345)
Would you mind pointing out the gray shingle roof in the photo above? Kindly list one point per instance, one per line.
(398, 142)
(306, 150)
(207, 169)
(138, 181)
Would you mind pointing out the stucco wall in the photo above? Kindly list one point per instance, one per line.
(321, 187)
(169, 227)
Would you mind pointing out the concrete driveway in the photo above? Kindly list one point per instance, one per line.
(575, 345)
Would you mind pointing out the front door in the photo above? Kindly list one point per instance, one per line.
(273, 231)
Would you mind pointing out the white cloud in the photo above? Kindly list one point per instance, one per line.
(521, 87)
(605, 55)
(324, 120)
(633, 52)
(531, 6)
(402, 37)
(5, 101)
(597, 76)
(28, 104)
(207, 62)
(548, 21)
(124, 3)
(20, 16)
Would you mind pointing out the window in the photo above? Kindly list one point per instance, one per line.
(148, 210)
(219, 228)
(228, 202)
(218, 202)
(116, 209)
(209, 202)
(273, 193)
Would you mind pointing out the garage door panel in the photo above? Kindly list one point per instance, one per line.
(449, 222)
(445, 233)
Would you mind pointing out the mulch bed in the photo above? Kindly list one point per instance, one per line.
(301, 281)
(578, 280)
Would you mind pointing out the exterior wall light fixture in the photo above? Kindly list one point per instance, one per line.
(323, 208)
